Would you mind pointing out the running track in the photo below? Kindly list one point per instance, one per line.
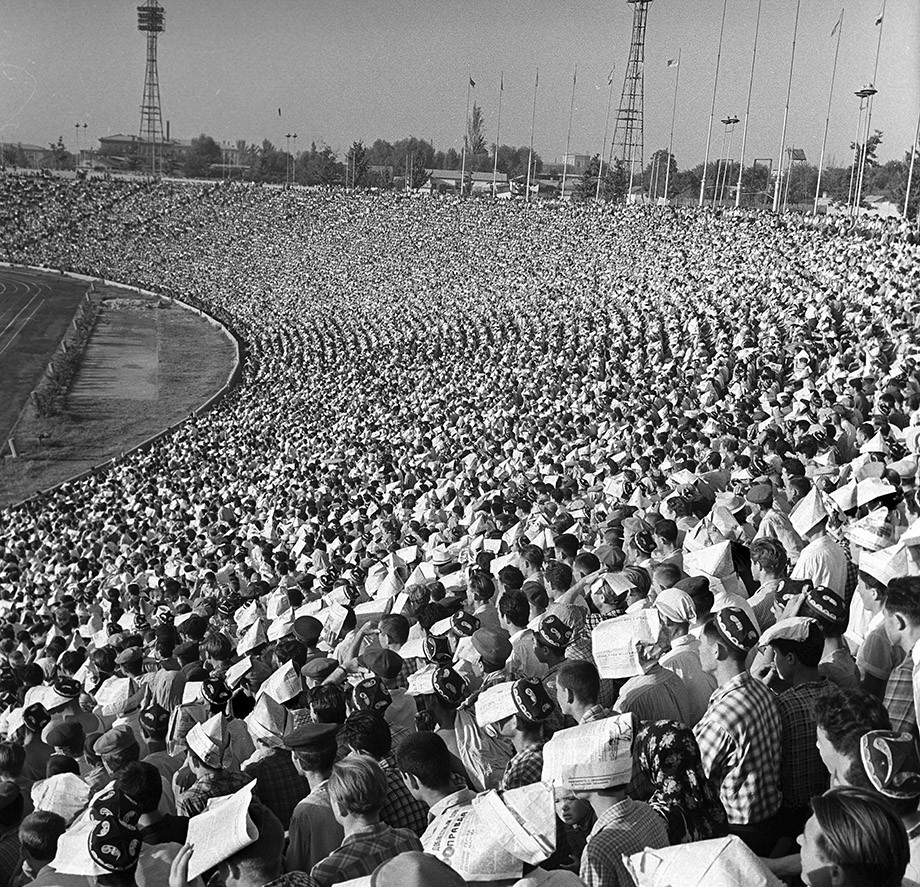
(35, 311)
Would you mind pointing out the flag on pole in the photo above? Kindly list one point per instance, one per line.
(279, 112)
(837, 26)
(610, 76)
(575, 77)
(881, 15)
(472, 82)
(501, 86)
(672, 63)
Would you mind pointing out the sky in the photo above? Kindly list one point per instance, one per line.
(342, 70)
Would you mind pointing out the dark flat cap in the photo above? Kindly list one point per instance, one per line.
(311, 736)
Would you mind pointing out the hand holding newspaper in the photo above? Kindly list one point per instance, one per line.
(221, 830)
(615, 642)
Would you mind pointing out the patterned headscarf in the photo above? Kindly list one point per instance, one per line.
(670, 758)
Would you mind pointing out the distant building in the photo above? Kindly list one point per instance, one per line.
(33, 154)
(449, 180)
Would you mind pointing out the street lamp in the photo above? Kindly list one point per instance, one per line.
(727, 122)
(865, 94)
(293, 168)
(730, 123)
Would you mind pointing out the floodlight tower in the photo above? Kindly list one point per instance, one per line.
(628, 136)
(151, 21)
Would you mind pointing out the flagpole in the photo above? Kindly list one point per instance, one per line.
(747, 112)
(600, 167)
(712, 110)
(568, 137)
(466, 123)
(827, 119)
(777, 189)
(910, 170)
(533, 120)
(498, 134)
(667, 175)
(862, 166)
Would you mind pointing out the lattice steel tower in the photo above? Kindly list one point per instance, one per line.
(628, 136)
(151, 21)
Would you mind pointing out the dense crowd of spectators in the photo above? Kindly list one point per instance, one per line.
(612, 508)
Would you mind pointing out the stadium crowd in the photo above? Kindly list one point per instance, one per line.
(539, 545)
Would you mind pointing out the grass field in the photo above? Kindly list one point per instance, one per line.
(35, 311)
(145, 368)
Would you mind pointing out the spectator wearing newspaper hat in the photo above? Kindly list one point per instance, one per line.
(797, 645)
(740, 735)
(526, 730)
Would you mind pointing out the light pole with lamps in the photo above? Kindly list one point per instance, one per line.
(287, 158)
(293, 162)
(730, 123)
(864, 95)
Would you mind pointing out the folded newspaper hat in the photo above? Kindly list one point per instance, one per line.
(676, 605)
(720, 862)
(795, 628)
(284, 683)
(268, 721)
(209, 741)
(892, 763)
(254, 638)
(808, 513)
(592, 756)
(65, 794)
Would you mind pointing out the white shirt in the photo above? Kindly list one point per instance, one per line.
(824, 562)
(684, 660)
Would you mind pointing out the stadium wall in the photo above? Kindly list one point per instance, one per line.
(233, 377)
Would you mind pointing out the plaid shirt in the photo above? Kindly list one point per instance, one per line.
(409, 667)
(361, 852)
(739, 739)
(525, 768)
(899, 697)
(278, 783)
(224, 782)
(802, 773)
(627, 827)
(400, 810)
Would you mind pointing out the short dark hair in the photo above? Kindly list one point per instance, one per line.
(481, 585)
(770, 555)
(793, 467)
(142, 783)
(863, 835)
(216, 646)
(395, 627)
(558, 575)
(845, 715)
(581, 677)
(12, 813)
(328, 703)
(426, 757)
(511, 577)
(567, 544)
(514, 606)
(587, 562)
(532, 555)
(368, 733)
(39, 834)
(903, 596)
(320, 759)
(290, 649)
(670, 573)
(12, 759)
(667, 530)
